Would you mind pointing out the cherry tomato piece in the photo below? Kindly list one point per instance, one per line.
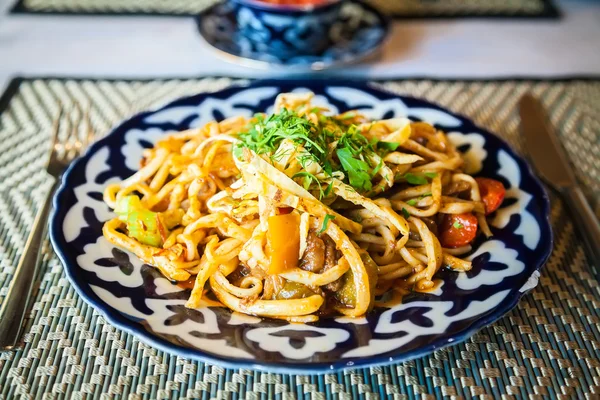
(492, 193)
(457, 230)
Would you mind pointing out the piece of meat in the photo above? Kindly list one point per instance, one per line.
(334, 286)
(330, 262)
(431, 224)
(421, 140)
(273, 284)
(457, 188)
(330, 252)
(240, 273)
(415, 236)
(421, 132)
(437, 143)
(313, 259)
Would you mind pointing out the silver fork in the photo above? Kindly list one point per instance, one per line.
(18, 299)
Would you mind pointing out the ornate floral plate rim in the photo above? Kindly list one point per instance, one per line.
(119, 320)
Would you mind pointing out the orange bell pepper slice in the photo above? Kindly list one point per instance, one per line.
(283, 239)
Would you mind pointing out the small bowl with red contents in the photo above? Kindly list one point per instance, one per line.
(287, 28)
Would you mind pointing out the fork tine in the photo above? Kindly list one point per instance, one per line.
(76, 114)
(56, 128)
(74, 144)
(67, 145)
(65, 149)
(89, 133)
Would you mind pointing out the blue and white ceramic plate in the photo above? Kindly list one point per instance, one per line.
(357, 33)
(135, 297)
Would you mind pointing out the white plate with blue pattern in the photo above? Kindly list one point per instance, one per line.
(359, 31)
(138, 299)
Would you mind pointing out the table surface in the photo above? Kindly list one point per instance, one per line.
(136, 46)
(547, 347)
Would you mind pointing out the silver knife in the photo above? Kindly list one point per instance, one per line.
(550, 160)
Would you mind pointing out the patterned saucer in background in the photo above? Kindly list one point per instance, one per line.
(136, 298)
(359, 31)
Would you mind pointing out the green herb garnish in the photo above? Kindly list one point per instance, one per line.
(325, 222)
(405, 213)
(328, 168)
(308, 179)
(377, 168)
(415, 179)
(356, 169)
(391, 146)
(237, 152)
(266, 133)
(457, 225)
(412, 202)
(334, 143)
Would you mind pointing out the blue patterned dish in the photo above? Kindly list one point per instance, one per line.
(334, 34)
(287, 31)
(136, 298)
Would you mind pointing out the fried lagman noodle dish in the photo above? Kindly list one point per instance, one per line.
(301, 213)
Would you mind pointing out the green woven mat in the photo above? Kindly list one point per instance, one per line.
(395, 8)
(548, 347)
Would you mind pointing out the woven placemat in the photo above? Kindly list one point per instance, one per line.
(548, 347)
(395, 8)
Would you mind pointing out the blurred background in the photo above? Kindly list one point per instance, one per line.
(137, 38)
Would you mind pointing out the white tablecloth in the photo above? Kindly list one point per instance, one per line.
(170, 47)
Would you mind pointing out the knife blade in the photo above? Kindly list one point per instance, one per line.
(542, 144)
(551, 161)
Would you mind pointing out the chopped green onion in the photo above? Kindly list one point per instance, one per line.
(144, 225)
(457, 225)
